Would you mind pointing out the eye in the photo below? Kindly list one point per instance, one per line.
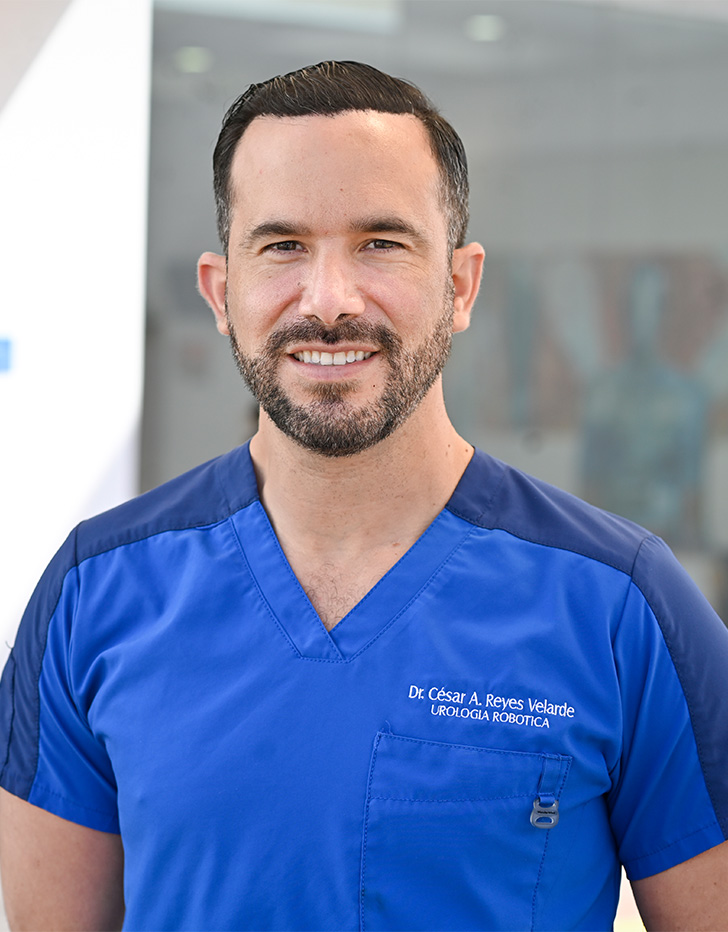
(383, 245)
(288, 245)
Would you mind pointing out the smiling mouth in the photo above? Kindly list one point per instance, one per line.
(316, 358)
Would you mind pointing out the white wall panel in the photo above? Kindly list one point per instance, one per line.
(73, 170)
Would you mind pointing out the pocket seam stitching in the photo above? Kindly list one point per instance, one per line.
(472, 747)
(454, 799)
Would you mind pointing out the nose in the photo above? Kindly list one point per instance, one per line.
(329, 291)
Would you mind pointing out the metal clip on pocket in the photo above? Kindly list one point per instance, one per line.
(545, 812)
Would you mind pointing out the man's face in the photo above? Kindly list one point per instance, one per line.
(339, 292)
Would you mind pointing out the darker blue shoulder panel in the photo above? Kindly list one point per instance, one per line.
(494, 495)
(201, 497)
(19, 704)
(204, 495)
(698, 643)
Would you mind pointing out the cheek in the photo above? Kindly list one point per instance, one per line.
(411, 303)
(402, 297)
(257, 302)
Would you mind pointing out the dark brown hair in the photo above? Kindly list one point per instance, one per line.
(334, 87)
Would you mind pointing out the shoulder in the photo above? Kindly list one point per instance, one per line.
(496, 496)
(203, 496)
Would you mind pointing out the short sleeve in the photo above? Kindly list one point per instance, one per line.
(670, 788)
(50, 755)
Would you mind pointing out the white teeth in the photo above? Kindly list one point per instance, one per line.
(331, 359)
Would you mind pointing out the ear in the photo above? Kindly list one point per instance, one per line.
(211, 282)
(467, 268)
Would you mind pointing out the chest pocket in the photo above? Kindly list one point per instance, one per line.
(452, 838)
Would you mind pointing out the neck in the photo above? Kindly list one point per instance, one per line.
(383, 496)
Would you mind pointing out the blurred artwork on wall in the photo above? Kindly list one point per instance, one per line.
(627, 355)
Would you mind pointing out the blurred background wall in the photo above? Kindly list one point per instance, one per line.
(597, 134)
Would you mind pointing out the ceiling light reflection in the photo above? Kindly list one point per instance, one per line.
(485, 27)
(193, 59)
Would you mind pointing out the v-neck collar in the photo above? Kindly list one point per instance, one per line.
(388, 600)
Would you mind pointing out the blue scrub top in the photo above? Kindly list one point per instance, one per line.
(533, 695)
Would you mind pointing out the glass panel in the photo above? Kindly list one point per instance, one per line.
(597, 136)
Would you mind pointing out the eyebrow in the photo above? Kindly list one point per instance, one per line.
(374, 224)
(391, 224)
(273, 228)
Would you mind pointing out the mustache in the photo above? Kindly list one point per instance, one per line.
(347, 331)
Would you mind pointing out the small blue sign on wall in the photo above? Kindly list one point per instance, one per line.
(5, 346)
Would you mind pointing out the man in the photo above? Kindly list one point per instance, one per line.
(355, 674)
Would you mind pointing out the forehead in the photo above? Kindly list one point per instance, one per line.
(382, 159)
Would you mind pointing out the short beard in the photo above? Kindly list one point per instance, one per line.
(328, 424)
